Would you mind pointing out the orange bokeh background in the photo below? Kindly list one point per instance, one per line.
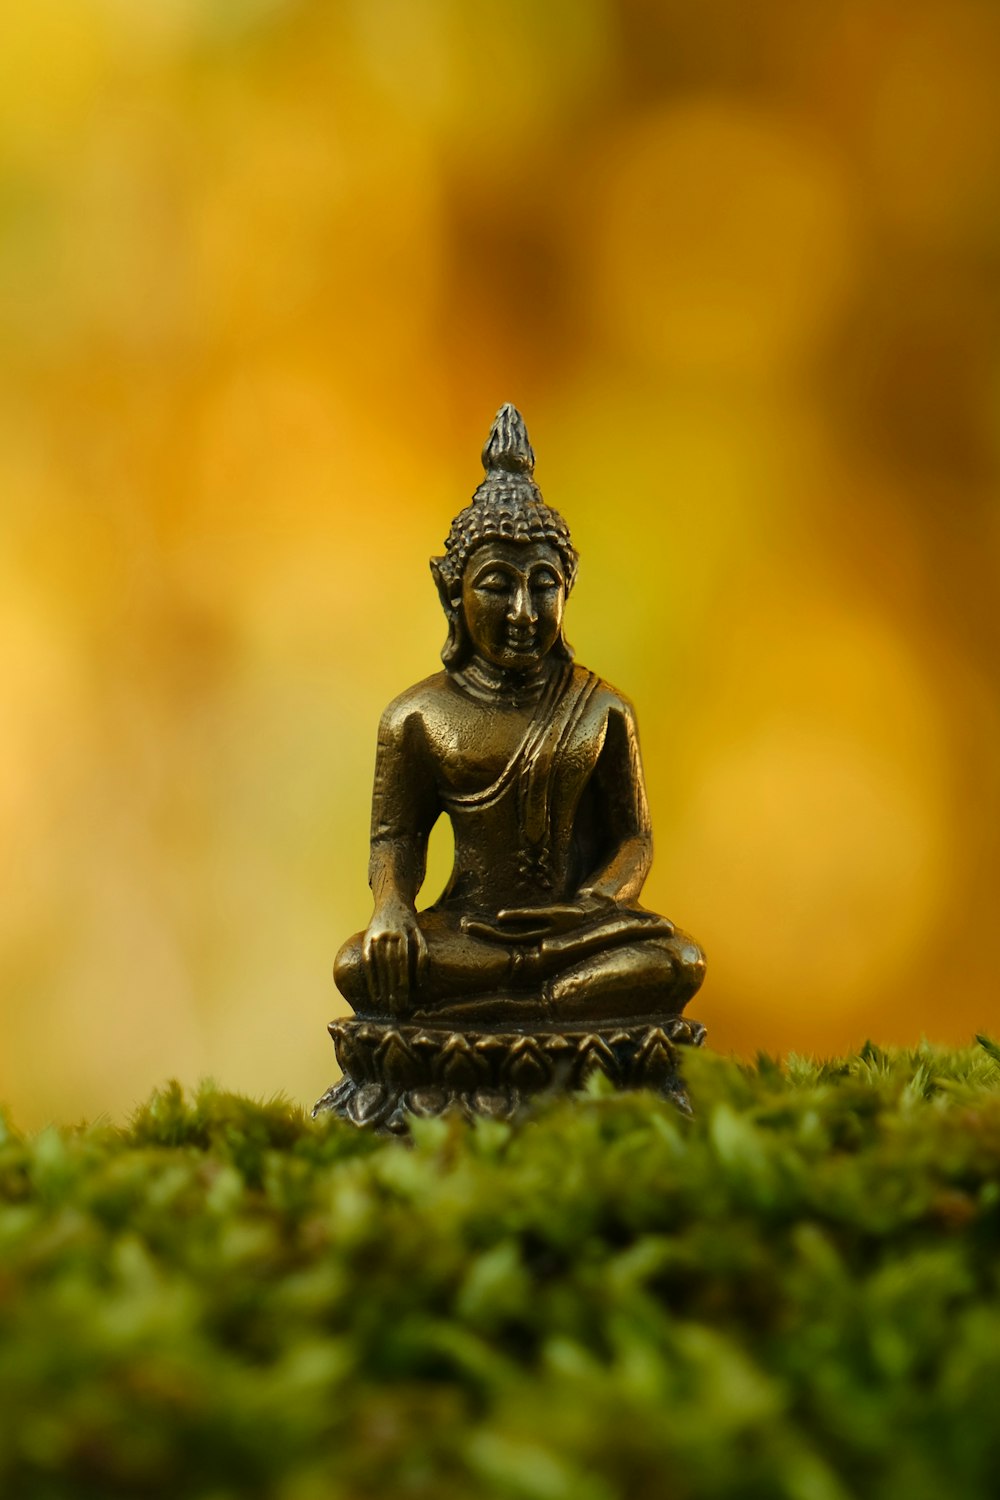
(268, 267)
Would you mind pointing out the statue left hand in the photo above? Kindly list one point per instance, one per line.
(529, 924)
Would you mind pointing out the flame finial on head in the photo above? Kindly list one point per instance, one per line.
(508, 446)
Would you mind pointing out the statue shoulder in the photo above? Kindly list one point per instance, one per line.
(414, 706)
(606, 698)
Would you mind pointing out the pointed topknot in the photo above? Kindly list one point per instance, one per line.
(507, 447)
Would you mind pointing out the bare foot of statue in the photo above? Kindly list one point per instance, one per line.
(539, 933)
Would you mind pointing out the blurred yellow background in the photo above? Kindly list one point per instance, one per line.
(267, 269)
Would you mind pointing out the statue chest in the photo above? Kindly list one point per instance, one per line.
(493, 744)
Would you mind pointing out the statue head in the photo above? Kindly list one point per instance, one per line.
(508, 562)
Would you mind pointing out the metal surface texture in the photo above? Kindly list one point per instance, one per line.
(535, 759)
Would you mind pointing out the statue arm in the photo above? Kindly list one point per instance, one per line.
(405, 807)
(622, 791)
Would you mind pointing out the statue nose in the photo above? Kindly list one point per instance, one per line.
(522, 607)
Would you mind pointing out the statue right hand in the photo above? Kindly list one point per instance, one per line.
(395, 955)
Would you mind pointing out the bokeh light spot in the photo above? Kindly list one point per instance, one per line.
(724, 238)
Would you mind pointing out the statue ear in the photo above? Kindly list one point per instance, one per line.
(456, 646)
(443, 587)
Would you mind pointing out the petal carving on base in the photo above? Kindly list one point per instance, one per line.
(393, 1071)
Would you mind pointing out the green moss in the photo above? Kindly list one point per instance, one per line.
(796, 1294)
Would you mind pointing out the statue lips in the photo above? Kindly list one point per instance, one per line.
(523, 642)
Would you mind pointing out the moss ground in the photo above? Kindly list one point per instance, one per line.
(796, 1294)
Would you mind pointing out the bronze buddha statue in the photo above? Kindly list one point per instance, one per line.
(535, 760)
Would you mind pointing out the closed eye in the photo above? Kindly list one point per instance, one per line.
(493, 583)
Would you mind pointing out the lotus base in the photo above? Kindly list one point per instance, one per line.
(392, 1071)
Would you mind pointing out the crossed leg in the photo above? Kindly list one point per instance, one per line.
(654, 976)
(475, 980)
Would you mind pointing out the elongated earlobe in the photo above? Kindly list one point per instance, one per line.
(455, 649)
(443, 588)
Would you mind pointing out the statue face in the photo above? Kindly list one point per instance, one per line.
(513, 595)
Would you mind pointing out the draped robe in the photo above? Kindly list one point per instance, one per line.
(542, 800)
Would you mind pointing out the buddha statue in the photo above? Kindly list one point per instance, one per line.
(539, 936)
